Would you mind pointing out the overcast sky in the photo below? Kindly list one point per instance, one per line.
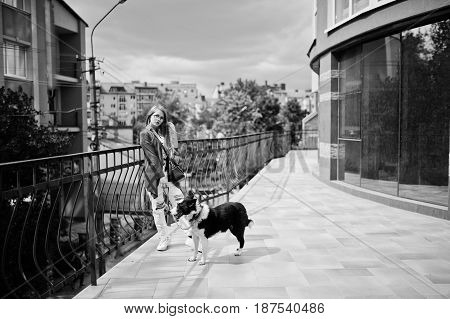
(201, 41)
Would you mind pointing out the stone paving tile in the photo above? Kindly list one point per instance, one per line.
(309, 241)
(282, 281)
(129, 293)
(404, 291)
(221, 293)
(124, 270)
(316, 277)
(129, 288)
(91, 292)
(312, 261)
(230, 275)
(182, 288)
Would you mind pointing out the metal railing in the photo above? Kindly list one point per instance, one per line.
(306, 139)
(62, 216)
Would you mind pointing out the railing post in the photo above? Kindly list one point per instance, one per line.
(98, 214)
(227, 168)
(90, 218)
(246, 159)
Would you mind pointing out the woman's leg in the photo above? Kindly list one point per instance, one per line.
(175, 196)
(158, 206)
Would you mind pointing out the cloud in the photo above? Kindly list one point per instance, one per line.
(203, 41)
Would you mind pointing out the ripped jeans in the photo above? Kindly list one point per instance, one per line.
(175, 196)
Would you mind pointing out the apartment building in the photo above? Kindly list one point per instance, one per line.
(41, 41)
(383, 85)
(117, 104)
(120, 103)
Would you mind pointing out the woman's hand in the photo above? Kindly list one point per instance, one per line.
(177, 159)
(175, 156)
(163, 180)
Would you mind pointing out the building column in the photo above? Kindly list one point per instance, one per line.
(328, 117)
(2, 77)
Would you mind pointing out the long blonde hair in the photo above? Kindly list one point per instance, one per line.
(163, 129)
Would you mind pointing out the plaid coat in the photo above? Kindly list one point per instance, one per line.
(153, 154)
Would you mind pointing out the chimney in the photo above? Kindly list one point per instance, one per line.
(283, 86)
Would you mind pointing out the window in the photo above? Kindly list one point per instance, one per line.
(345, 10)
(342, 10)
(19, 4)
(122, 106)
(359, 5)
(15, 59)
(113, 106)
(122, 98)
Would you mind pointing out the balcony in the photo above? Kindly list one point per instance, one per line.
(63, 216)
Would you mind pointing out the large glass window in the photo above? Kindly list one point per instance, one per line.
(379, 114)
(349, 116)
(350, 94)
(425, 113)
(394, 114)
(15, 59)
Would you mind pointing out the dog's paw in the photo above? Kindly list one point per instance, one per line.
(238, 252)
(192, 259)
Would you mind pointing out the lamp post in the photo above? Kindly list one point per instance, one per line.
(95, 219)
(92, 75)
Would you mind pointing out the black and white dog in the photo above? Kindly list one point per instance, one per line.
(206, 222)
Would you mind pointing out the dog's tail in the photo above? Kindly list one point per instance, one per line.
(250, 223)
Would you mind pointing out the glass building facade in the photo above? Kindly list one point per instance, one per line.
(393, 118)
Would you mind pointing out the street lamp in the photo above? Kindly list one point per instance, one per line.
(92, 74)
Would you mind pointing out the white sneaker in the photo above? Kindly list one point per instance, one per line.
(163, 244)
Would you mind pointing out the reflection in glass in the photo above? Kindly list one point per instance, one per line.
(425, 113)
(350, 93)
(379, 114)
(349, 160)
(349, 116)
(411, 159)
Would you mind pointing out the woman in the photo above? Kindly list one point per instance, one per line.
(158, 140)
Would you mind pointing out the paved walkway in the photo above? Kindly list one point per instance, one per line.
(309, 241)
